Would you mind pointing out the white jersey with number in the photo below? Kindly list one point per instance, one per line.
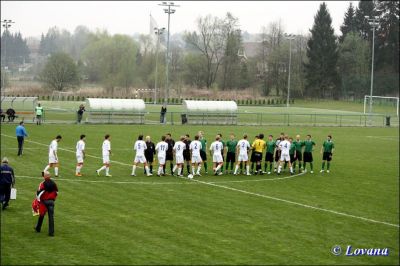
(195, 147)
(140, 146)
(106, 151)
(244, 147)
(284, 146)
(80, 147)
(161, 149)
(178, 148)
(216, 147)
(53, 149)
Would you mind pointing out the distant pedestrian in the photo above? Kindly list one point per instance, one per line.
(20, 131)
(80, 113)
(163, 114)
(39, 114)
(46, 195)
(7, 180)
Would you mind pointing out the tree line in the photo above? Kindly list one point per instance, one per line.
(213, 56)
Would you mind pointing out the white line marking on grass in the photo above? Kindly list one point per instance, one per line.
(385, 137)
(297, 203)
(255, 180)
(110, 181)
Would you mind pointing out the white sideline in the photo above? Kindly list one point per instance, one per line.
(395, 138)
(252, 193)
(296, 203)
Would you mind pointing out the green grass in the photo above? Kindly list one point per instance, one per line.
(167, 220)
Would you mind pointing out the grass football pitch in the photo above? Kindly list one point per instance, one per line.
(226, 219)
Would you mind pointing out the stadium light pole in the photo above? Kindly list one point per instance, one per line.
(169, 11)
(6, 25)
(290, 37)
(158, 32)
(372, 21)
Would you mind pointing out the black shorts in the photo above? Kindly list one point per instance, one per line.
(307, 157)
(327, 156)
(203, 155)
(169, 157)
(230, 157)
(292, 158)
(186, 156)
(149, 158)
(252, 157)
(257, 156)
(277, 155)
(269, 157)
(298, 156)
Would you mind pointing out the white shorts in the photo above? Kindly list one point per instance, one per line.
(196, 159)
(52, 159)
(285, 157)
(79, 158)
(140, 159)
(217, 158)
(243, 157)
(106, 159)
(179, 159)
(161, 160)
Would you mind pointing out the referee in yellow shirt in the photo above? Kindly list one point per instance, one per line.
(258, 149)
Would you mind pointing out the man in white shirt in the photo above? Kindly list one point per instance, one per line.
(284, 147)
(195, 148)
(178, 149)
(140, 146)
(80, 155)
(53, 157)
(161, 149)
(106, 147)
(215, 150)
(242, 148)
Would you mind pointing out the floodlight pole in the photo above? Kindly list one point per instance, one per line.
(372, 22)
(290, 37)
(6, 25)
(169, 11)
(157, 31)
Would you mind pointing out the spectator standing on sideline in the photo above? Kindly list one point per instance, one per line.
(163, 113)
(80, 113)
(46, 195)
(21, 134)
(7, 180)
(2, 115)
(39, 114)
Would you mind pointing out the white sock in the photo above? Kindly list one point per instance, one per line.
(236, 169)
(160, 168)
(133, 169)
(291, 169)
(102, 168)
(198, 169)
(173, 169)
(193, 170)
(78, 169)
(46, 168)
(147, 169)
(107, 170)
(218, 167)
(247, 169)
(55, 170)
(179, 171)
(279, 168)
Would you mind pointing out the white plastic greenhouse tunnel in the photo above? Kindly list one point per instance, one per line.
(105, 110)
(209, 112)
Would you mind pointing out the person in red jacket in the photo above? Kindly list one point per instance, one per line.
(46, 195)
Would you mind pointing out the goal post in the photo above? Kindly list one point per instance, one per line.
(371, 98)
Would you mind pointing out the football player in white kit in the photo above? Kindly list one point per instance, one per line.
(80, 155)
(53, 157)
(106, 147)
(140, 146)
(179, 147)
(284, 147)
(215, 150)
(242, 148)
(161, 149)
(195, 147)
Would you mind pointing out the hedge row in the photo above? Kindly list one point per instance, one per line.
(170, 100)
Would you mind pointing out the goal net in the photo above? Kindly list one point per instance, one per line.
(381, 104)
(61, 95)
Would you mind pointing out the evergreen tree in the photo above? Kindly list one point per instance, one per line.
(322, 53)
(365, 8)
(349, 24)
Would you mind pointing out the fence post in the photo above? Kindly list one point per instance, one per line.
(172, 118)
(340, 121)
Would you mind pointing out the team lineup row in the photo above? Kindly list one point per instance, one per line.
(279, 153)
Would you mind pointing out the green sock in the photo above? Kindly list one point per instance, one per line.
(205, 166)
(328, 164)
(265, 167)
(311, 166)
(270, 167)
(299, 165)
(323, 165)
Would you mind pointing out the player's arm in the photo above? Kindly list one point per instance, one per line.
(211, 149)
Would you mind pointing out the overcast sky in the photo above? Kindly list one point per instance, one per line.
(34, 17)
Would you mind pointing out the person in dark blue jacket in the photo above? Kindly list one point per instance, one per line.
(7, 180)
(20, 131)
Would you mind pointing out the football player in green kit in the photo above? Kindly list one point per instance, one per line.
(307, 155)
(327, 150)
